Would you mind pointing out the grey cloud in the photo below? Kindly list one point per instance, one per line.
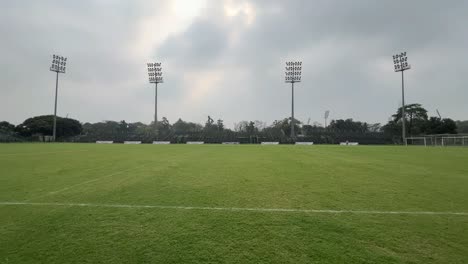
(347, 79)
(94, 35)
(200, 44)
(346, 47)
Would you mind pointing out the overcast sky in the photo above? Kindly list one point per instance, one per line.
(226, 58)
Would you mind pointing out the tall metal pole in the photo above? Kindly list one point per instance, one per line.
(400, 62)
(403, 116)
(155, 76)
(292, 75)
(156, 104)
(59, 64)
(326, 117)
(55, 108)
(292, 110)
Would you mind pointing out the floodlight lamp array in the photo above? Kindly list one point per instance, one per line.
(293, 71)
(59, 64)
(400, 62)
(155, 72)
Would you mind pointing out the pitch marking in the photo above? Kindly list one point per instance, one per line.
(86, 182)
(323, 211)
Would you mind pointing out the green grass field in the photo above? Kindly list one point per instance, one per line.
(85, 203)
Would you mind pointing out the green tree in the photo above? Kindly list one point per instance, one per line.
(462, 127)
(7, 132)
(184, 128)
(210, 128)
(164, 128)
(5, 126)
(416, 117)
(43, 125)
(418, 123)
(283, 127)
(435, 125)
(348, 125)
(220, 124)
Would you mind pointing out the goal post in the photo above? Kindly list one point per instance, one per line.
(416, 141)
(441, 140)
(454, 141)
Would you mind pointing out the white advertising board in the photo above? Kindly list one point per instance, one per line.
(104, 142)
(161, 142)
(349, 143)
(195, 142)
(132, 142)
(305, 143)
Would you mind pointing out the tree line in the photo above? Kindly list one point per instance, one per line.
(419, 123)
(214, 131)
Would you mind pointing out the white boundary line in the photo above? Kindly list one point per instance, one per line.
(323, 211)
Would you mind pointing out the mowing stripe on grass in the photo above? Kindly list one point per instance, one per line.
(324, 211)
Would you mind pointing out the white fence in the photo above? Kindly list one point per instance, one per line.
(231, 143)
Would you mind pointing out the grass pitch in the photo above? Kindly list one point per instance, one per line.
(84, 203)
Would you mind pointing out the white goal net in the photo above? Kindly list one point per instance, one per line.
(454, 141)
(416, 141)
(439, 140)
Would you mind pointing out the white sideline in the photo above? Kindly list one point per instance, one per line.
(237, 209)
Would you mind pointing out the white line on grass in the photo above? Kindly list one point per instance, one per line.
(86, 182)
(324, 211)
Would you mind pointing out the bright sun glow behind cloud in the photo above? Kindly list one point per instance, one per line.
(187, 10)
(155, 29)
(240, 8)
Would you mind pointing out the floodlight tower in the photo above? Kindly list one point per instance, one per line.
(59, 64)
(155, 76)
(400, 62)
(293, 75)
(327, 113)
